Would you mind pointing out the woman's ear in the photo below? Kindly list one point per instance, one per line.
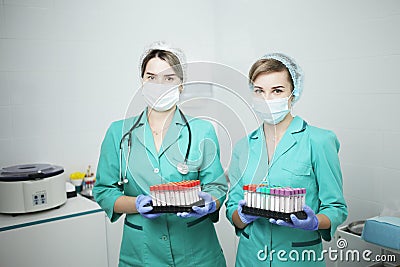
(291, 101)
(180, 88)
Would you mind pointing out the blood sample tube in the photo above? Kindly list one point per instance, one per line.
(268, 198)
(245, 192)
(182, 194)
(253, 195)
(303, 198)
(198, 189)
(281, 200)
(163, 196)
(263, 197)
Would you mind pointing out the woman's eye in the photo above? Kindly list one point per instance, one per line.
(258, 91)
(150, 77)
(277, 91)
(170, 79)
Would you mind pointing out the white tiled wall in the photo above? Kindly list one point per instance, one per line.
(69, 68)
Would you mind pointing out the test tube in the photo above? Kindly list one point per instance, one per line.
(281, 200)
(278, 199)
(246, 193)
(189, 191)
(198, 189)
(176, 194)
(303, 198)
(253, 196)
(268, 198)
(193, 188)
(258, 198)
(290, 204)
(163, 196)
(167, 194)
(249, 196)
(286, 193)
(171, 195)
(153, 194)
(295, 199)
(272, 199)
(263, 197)
(181, 190)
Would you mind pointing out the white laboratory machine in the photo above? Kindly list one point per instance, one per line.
(31, 188)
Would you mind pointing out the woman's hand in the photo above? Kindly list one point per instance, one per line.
(245, 218)
(143, 207)
(311, 223)
(209, 207)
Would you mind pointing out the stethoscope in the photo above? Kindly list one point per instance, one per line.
(182, 167)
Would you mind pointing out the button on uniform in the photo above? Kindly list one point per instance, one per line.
(164, 237)
(156, 170)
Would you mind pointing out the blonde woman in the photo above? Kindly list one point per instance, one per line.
(288, 152)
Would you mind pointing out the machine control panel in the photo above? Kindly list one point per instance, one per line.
(39, 198)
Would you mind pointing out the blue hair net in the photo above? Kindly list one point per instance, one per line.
(295, 72)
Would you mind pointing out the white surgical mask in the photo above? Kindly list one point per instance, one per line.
(271, 111)
(160, 97)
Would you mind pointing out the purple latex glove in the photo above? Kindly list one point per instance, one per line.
(209, 207)
(311, 223)
(141, 202)
(245, 218)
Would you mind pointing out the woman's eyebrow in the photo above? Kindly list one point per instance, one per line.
(151, 73)
(278, 86)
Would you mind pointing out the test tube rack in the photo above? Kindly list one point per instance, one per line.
(274, 202)
(176, 197)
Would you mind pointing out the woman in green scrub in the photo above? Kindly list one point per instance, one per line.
(285, 151)
(151, 149)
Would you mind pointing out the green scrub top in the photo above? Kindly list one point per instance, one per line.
(306, 157)
(168, 240)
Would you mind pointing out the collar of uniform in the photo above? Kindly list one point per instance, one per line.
(288, 140)
(297, 125)
(145, 136)
(257, 133)
(176, 120)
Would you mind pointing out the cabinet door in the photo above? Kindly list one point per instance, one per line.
(72, 242)
(114, 238)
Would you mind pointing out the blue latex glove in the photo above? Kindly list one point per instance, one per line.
(141, 202)
(245, 218)
(310, 223)
(209, 207)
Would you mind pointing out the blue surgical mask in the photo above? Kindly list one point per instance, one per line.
(271, 111)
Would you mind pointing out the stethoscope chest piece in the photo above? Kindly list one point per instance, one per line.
(123, 181)
(182, 168)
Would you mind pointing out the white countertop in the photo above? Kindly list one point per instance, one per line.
(75, 206)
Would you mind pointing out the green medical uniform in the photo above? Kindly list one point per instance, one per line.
(167, 240)
(306, 157)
